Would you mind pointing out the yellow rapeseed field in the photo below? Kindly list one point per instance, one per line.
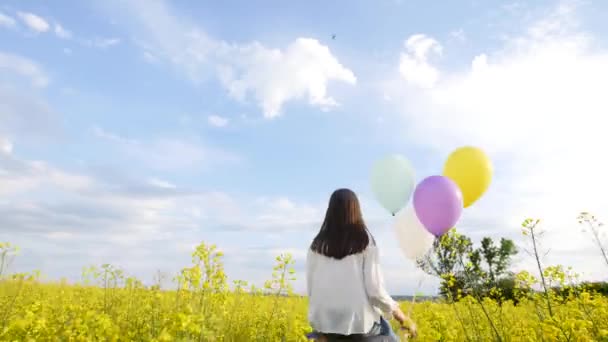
(108, 306)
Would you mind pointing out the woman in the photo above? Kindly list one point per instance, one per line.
(344, 281)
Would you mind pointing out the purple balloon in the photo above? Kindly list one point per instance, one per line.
(438, 204)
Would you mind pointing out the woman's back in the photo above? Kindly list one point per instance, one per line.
(345, 285)
(338, 298)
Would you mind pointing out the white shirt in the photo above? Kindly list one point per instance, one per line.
(346, 296)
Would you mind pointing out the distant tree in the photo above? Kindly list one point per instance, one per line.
(600, 288)
(490, 264)
(464, 269)
(496, 258)
(444, 261)
(446, 253)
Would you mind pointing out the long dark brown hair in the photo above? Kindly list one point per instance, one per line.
(343, 231)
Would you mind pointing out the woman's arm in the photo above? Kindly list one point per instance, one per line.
(374, 282)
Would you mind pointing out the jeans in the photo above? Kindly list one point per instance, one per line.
(380, 331)
(383, 329)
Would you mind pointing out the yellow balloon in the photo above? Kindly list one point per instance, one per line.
(471, 169)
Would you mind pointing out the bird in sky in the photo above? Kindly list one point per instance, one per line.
(333, 36)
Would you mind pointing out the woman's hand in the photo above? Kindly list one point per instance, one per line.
(399, 316)
(413, 330)
(405, 321)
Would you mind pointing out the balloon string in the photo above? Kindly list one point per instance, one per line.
(420, 280)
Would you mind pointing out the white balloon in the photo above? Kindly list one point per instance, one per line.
(414, 240)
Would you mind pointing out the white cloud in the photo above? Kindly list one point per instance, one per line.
(107, 42)
(24, 67)
(161, 183)
(167, 153)
(459, 35)
(280, 211)
(102, 43)
(44, 205)
(62, 32)
(24, 115)
(34, 22)
(150, 57)
(414, 63)
(6, 146)
(217, 121)
(102, 133)
(504, 98)
(302, 70)
(537, 106)
(7, 21)
(22, 177)
(158, 154)
(75, 219)
(271, 76)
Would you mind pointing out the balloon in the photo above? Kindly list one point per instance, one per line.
(413, 238)
(471, 169)
(393, 182)
(438, 204)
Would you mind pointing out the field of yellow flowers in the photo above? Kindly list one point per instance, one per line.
(108, 306)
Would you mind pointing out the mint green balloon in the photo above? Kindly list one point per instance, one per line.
(393, 182)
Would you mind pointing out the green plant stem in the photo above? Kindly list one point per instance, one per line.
(480, 302)
(540, 270)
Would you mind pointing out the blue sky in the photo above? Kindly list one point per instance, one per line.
(131, 130)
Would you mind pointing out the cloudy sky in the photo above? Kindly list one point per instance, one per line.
(132, 130)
